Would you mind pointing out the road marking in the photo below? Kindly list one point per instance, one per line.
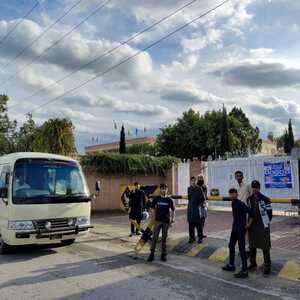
(291, 271)
(232, 283)
(220, 255)
(195, 250)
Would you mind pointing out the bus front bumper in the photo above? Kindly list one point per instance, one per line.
(47, 236)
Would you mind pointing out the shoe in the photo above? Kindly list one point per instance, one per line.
(130, 234)
(137, 233)
(229, 268)
(199, 241)
(241, 274)
(252, 267)
(267, 271)
(163, 258)
(191, 241)
(204, 236)
(150, 258)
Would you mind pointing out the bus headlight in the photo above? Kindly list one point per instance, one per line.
(20, 225)
(82, 221)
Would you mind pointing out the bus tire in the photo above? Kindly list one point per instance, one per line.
(67, 242)
(4, 248)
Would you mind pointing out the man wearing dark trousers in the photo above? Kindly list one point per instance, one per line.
(162, 212)
(201, 183)
(239, 227)
(259, 231)
(194, 211)
(137, 203)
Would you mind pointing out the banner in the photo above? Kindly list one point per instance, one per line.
(278, 175)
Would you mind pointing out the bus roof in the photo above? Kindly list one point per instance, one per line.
(13, 157)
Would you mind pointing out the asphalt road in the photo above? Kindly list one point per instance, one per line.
(103, 269)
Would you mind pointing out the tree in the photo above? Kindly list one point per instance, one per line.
(291, 135)
(211, 134)
(225, 144)
(56, 136)
(122, 148)
(286, 146)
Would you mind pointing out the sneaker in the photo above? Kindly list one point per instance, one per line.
(241, 274)
(150, 258)
(252, 267)
(191, 241)
(199, 241)
(130, 234)
(229, 268)
(204, 236)
(137, 233)
(163, 258)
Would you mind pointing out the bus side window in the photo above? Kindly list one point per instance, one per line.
(4, 177)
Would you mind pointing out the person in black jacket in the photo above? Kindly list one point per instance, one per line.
(259, 231)
(194, 211)
(201, 183)
(239, 226)
(137, 204)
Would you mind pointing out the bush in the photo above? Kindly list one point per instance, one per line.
(116, 164)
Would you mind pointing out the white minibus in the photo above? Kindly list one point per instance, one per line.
(44, 199)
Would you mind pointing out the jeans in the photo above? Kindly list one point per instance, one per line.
(164, 227)
(238, 236)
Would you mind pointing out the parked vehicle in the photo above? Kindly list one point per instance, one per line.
(44, 199)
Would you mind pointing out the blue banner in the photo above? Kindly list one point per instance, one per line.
(278, 175)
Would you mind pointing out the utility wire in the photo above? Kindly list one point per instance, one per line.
(41, 35)
(99, 58)
(101, 74)
(18, 23)
(99, 7)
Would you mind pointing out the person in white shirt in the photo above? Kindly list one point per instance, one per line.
(244, 190)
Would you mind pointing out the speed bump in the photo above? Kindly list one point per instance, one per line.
(220, 255)
(195, 250)
(291, 271)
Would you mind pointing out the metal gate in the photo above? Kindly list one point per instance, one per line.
(183, 177)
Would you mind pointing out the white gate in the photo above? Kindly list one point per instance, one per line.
(221, 174)
(183, 177)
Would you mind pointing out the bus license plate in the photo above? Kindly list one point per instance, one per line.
(56, 237)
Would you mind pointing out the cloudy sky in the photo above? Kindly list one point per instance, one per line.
(246, 53)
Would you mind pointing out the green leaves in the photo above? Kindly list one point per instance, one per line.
(213, 134)
(116, 164)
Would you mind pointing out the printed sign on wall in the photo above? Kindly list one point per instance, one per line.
(278, 175)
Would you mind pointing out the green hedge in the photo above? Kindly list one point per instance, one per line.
(124, 164)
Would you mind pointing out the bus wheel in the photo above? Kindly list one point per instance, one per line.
(67, 242)
(4, 248)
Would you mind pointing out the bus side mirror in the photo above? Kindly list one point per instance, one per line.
(3, 192)
(98, 186)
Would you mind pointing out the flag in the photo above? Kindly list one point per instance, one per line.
(115, 125)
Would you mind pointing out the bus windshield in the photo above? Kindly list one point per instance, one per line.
(38, 181)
